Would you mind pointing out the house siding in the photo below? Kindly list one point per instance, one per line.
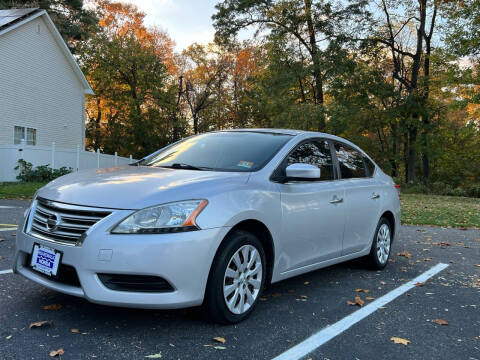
(38, 88)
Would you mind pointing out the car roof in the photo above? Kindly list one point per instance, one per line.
(302, 134)
(293, 132)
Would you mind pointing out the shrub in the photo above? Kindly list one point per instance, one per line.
(42, 173)
(441, 188)
(473, 190)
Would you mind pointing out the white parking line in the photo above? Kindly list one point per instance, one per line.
(10, 207)
(9, 271)
(329, 332)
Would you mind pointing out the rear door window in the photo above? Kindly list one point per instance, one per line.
(351, 162)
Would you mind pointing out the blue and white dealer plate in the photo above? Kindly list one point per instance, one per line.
(45, 260)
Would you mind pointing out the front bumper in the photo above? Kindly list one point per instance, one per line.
(182, 259)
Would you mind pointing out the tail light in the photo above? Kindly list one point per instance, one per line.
(397, 187)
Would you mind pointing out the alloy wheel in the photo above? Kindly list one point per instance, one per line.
(383, 243)
(243, 279)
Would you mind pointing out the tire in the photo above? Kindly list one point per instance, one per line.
(229, 283)
(381, 245)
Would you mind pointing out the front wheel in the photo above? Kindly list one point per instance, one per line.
(381, 246)
(236, 279)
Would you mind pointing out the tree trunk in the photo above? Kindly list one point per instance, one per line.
(393, 161)
(317, 74)
(405, 154)
(426, 95)
(176, 132)
(195, 123)
(412, 153)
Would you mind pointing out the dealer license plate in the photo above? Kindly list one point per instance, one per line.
(45, 260)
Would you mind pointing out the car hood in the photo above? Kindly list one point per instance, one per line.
(137, 187)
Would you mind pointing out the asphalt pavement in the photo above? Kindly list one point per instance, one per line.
(288, 313)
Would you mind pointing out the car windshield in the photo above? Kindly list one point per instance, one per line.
(220, 151)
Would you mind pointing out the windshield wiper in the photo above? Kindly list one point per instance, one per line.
(185, 167)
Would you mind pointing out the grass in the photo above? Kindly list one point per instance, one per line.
(453, 211)
(19, 190)
(417, 209)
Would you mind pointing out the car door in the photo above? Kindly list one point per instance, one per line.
(312, 210)
(362, 197)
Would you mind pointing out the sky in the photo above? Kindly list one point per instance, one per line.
(186, 21)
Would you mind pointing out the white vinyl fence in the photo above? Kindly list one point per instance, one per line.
(54, 157)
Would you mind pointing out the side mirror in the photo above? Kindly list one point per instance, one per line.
(302, 171)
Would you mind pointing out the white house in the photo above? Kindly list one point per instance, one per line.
(42, 89)
(42, 98)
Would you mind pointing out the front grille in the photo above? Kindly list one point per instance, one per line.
(63, 223)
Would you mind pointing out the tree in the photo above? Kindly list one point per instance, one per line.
(314, 24)
(126, 65)
(205, 72)
(405, 29)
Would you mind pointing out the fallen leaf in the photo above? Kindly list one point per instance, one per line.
(154, 356)
(2, 239)
(440, 322)
(54, 307)
(383, 283)
(8, 337)
(405, 253)
(427, 259)
(370, 298)
(477, 265)
(419, 284)
(39, 324)
(366, 291)
(399, 340)
(58, 352)
(306, 283)
(443, 244)
(276, 295)
(220, 339)
(303, 297)
(75, 331)
(358, 301)
(263, 299)
(462, 228)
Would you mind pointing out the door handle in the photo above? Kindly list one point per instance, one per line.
(375, 196)
(336, 200)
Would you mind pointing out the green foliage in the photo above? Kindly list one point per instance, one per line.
(42, 173)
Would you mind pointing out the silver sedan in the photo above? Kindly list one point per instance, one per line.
(209, 220)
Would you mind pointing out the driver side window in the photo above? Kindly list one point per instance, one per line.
(317, 153)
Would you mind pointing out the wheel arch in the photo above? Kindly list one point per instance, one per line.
(391, 219)
(259, 229)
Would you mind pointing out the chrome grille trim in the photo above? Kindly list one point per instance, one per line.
(62, 223)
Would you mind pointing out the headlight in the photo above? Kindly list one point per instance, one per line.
(173, 217)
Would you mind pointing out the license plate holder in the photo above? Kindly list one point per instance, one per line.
(45, 260)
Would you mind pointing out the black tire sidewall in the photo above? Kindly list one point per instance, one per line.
(373, 252)
(214, 300)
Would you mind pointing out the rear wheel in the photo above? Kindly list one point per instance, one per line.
(381, 246)
(236, 279)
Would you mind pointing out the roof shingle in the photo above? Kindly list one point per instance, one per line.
(11, 16)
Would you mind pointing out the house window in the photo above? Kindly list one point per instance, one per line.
(25, 133)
